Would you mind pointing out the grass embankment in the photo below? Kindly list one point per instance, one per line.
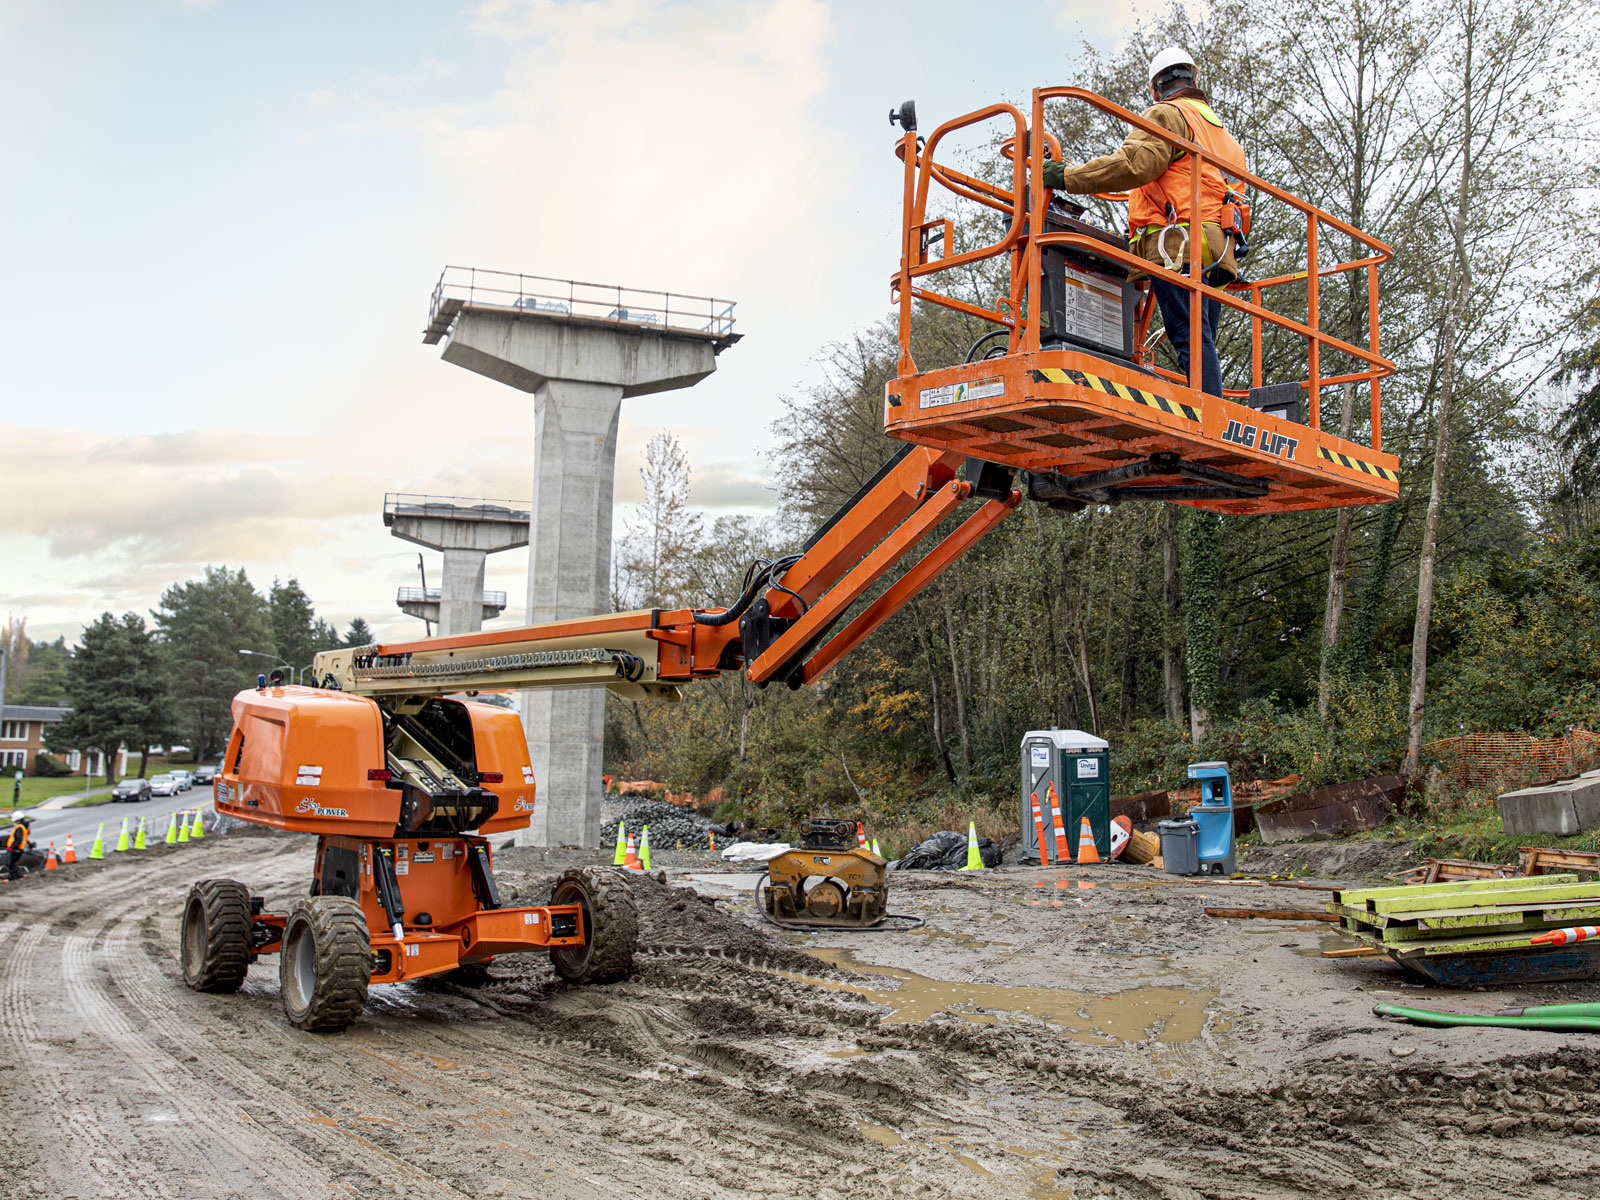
(37, 789)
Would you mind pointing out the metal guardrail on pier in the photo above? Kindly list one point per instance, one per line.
(416, 595)
(455, 508)
(573, 299)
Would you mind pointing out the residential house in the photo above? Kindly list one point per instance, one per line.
(22, 729)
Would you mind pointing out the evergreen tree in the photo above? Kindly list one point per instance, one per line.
(294, 630)
(359, 633)
(203, 624)
(117, 689)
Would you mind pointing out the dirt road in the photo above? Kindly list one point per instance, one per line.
(1036, 1039)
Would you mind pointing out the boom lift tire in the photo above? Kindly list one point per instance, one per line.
(215, 935)
(610, 925)
(325, 964)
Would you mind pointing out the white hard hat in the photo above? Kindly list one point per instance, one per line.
(1172, 56)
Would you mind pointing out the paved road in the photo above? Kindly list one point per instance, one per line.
(81, 821)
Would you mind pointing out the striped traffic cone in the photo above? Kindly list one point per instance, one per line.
(172, 830)
(712, 834)
(1063, 854)
(1560, 937)
(183, 828)
(70, 856)
(122, 838)
(199, 830)
(622, 848)
(861, 835)
(1088, 852)
(644, 849)
(1038, 824)
(974, 859)
(97, 851)
(139, 842)
(50, 863)
(630, 860)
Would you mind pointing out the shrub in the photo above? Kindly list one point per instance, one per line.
(49, 766)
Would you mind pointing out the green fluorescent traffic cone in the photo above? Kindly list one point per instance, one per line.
(122, 838)
(138, 838)
(183, 828)
(98, 850)
(199, 830)
(622, 844)
(974, 859)
(875, 849)
(644, 848)
(172, 830)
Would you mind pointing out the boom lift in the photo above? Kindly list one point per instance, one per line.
(404, 782)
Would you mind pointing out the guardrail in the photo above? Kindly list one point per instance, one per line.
(417, 595)
(456, 508)
(563, 299)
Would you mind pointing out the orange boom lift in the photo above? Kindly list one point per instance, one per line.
(403, 781)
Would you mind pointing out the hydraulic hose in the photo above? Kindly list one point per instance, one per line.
(1529, 1018)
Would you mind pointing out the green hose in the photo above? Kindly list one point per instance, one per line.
(1530, 1018)
(1552, 1010)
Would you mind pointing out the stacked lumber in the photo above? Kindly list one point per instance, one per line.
(1542, 860)
(1473, 917)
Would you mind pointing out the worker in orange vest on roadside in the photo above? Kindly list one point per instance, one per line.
(16, 844)
(1158, 176)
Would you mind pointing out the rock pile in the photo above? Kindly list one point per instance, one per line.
(668, 823)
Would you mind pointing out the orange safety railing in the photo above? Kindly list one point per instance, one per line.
(1024, 249)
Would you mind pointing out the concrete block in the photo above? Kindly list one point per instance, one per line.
(1565, 807)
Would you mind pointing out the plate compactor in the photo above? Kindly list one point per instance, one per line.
(829, 882)
(403, 795)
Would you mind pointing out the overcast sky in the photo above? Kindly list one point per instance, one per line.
(222, 222)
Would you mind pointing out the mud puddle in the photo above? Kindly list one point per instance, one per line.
(1170, 1015)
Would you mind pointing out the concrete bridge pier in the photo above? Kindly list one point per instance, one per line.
(578, 370)
(467, 532)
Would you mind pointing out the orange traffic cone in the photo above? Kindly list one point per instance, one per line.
(1087, 851)
(1063, 854)
(861, 836)
(1038, 824)
(50, 863)
(71, 856)
(630, 860)
(713, 836)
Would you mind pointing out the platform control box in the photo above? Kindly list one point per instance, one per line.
(1077, 764)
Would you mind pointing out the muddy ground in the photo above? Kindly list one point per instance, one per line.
(1036, 1038)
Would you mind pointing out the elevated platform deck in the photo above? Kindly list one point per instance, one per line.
(1078, 415)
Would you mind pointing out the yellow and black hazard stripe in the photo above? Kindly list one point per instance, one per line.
(1112, 388)
(1355, 464)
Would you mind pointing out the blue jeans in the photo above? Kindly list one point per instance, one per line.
(1174, 304)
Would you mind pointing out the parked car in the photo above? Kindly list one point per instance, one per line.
(206, 773)
(131, 790)
(163, 785)
(184, 778)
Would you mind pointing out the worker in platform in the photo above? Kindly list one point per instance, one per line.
(1157, 176)
(16, 844)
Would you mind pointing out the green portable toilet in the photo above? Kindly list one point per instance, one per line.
(1078, 764)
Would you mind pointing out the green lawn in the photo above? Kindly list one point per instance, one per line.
(36, 789)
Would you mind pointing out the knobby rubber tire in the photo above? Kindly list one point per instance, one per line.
(337, 963)
(610, 919)
(214, 935)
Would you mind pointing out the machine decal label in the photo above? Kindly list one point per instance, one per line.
(224, 792)
(1041, 756)
(447, 850)
(1088, 768)
(821, 859)
(308, 805)
(956, 393)
(530, 918)
(1138, 395)
(1270, 443)
(527, 775)
(1355, 464)
(402, 868)
(523, 804)
(423, 856)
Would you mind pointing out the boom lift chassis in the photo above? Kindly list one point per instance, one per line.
(404, 783)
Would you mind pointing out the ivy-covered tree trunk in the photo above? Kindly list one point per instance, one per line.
(1202, 570)
(1171, 672)
(1355, 650)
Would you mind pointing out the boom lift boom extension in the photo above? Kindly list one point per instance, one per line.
(783, 627)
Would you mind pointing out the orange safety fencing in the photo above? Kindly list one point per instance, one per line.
(1478, 759)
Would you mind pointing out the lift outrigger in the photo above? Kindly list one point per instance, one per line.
(403, 782)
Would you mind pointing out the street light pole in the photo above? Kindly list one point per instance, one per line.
(274, 658)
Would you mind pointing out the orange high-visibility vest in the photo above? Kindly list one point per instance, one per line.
(17, 839)
(1149, 204)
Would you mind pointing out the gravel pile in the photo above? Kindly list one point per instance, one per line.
(668, 823)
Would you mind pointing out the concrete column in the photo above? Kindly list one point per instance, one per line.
(461, 591)
(467, 533)
(579, 370)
